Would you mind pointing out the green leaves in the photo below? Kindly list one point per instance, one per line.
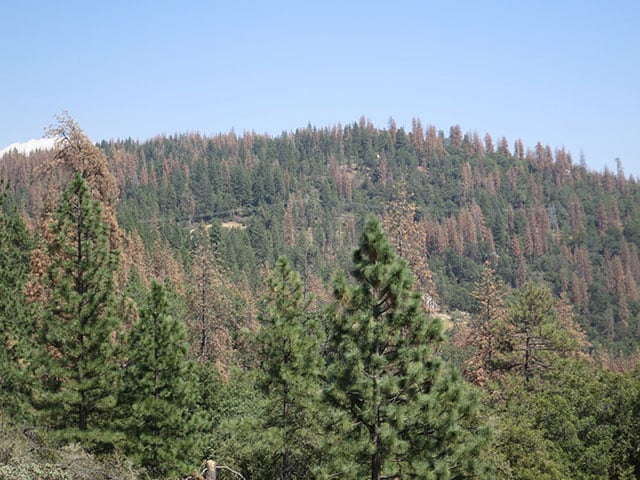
(578, 421)
(404, 409)
(76, 368)
(159, 392)
(290, 366)
(538, 336)
(15, 325)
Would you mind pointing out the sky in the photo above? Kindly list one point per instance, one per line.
(565, 73)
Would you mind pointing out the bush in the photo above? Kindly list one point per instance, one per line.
(24, 455)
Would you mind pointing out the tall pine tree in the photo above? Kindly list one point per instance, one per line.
(489, 332)
(77, 368)
(537, 335)
(15, 324)
(404, 411)
(159, 392)
(290, 364)
(211, 319)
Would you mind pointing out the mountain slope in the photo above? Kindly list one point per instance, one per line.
(532, 212)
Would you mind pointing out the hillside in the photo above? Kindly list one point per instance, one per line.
(533, 212)
(153, 313)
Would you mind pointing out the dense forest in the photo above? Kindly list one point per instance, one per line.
(341, 302)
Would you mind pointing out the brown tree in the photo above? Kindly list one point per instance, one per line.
(165, 267)
(466, 181)
(489, 330)
(393, 129)
(384, 174)
(609, 182)
(455, 136)
(567, 320)
(579, 292)
(436, 241)
(409, 238)
(75, 154)
(631, 263)
(488, 143)
(478, 147)
(576, 215)
(434, 143)
(518, 149)
(417, 136)
(503, 147)
(562, 167)
(211, 317)
(468, 229)
(491, 182)
(602, 218)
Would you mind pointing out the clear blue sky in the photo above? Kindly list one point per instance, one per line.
(563, 72)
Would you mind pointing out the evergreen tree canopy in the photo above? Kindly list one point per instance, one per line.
(77, 369)
(404, 410)
(290, 362)
(537, 334)
(15, 324)
(159, 392)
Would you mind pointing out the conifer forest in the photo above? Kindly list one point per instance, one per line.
(342, 302)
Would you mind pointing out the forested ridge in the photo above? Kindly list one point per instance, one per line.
(346, 301)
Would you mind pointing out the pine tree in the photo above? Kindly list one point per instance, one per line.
(211, 319)
(455, 136)
(77, 369)
(15, 324)
(159, 392)
(489, 330)
(409, 239)
(537, 334)
(404, 411)
(77, 155)
(290, 365)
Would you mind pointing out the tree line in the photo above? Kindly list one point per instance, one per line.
(305, 194)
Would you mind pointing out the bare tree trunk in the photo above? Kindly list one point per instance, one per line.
(210, 470)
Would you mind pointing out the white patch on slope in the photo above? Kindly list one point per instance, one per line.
(30, 146)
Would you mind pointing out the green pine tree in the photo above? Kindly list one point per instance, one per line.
(77, 370)
(537, 335)
(290, 364)
(15, 325)
(405, 413)
(159, 392)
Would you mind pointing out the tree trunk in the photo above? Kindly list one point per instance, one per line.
(285, 453)
(527, 358)
(376, 460)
